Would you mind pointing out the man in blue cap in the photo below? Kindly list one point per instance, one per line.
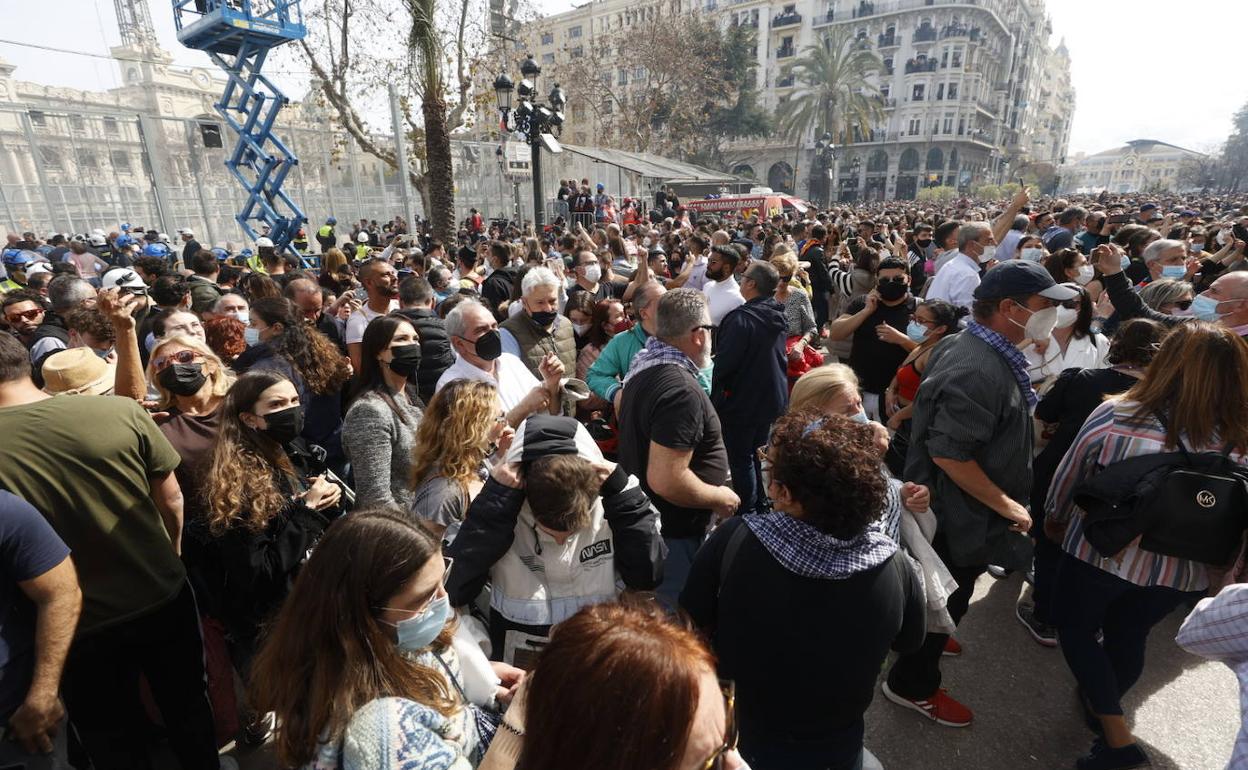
(971, 443)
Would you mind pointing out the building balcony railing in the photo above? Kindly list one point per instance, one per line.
(864, 9)
(786, 20)
(928, 65)
(888, 70)
(889, 41)
(924, 34)
(823, 19)
(951, 31)
(785, 52)
(888, 102)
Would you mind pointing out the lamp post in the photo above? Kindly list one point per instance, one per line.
(825, 158)
(533, 120)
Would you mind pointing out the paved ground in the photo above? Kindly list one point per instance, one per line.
(1186, 710)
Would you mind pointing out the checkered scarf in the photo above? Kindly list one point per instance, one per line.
(1012, 355)
(655, 353)
(804, 550)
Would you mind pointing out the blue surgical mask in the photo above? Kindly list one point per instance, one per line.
(1205, 308)
(916, 331)
(860, 416)
(104, 354)
(1125, 262)
(251, 335)
(417, 633)
(1177, 272)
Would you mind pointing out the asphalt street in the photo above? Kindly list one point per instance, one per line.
(1185, 710)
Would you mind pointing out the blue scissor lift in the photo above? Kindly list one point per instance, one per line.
(238, 35)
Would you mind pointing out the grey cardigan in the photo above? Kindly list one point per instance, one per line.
(379, 446)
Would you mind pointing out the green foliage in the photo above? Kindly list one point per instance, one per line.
(833, 93)
(942, 194)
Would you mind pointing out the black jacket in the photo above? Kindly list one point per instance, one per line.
(191, 248)
(53, 326)
(749, 382)
(496, 289)
(436, 354)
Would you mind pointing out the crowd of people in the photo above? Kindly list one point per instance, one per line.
(589, 497)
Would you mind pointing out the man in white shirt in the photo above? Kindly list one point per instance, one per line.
(721, 290)
(381, 281)
(479, 356)
(956, 281)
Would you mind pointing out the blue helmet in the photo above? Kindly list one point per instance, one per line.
(123, 241)
(221, 254)
(125, 227)
(15, 257)
(245, 253)
(155, 250)
(331, 221)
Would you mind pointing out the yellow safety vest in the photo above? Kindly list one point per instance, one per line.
(325, 231)
(256, 265)
(361, 250)
(8, 285)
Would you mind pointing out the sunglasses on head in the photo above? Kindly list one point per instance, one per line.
(181, 357)
(26, 315)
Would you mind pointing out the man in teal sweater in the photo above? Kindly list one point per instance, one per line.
(606, 376)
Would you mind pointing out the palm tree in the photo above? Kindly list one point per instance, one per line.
(426, 45)
(833, 94)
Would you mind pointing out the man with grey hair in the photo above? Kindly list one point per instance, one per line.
(1167, 258)
(479, 356)
(65, 293)
(670, 435)
(750, 385)
(956, 281)
(539, 330)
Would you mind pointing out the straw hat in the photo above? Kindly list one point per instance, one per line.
(78, 371)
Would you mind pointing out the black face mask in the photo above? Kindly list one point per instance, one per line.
(924, 242)
(284, 425)
(182, 379)
(489, 346)
(891, 291)
(544, 318)
(406, 359)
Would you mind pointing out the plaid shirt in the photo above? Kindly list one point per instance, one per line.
(1012, 355)
(1218, 630)
(804, 550)
(656, 353)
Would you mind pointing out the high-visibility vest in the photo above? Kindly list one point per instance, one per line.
(361, 250)
(325, 231)
(256, 265)
(8, 285)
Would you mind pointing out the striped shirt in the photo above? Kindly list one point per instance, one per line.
(1112, 433)
(1218, 630)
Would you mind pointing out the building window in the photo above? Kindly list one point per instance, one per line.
(916, 127)
(577, 52)
(888, 66)
(957, 57)
(574, 31)
(917, 94)
(548, 38)
(77, 124)
(606, 79)
(948, 124)
(50, 157)
(110, 126)
(121, 161)
(639, 74)
(623, 78)
(548, 58)
(86, 159)
(38, 118)
(953, 90)
(940, 91)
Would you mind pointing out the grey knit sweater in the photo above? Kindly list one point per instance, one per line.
(379, 446)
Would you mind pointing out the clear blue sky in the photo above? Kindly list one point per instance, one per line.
(1195, 82)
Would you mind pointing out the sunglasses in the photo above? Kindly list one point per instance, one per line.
(25, 315)
(181, 357)
(716, 760)
(446, 574)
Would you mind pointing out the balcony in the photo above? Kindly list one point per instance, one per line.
(823, 19)
(888, 102)
(864, 9)
(785, 82)
(925, 34)
(785, 52)
(925, 65)
(889, 41)
(951, 31)
(786, 20)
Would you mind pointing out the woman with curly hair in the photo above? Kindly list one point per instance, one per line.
(462, 425)
(265, 507)
(754, 581)
(309, 360)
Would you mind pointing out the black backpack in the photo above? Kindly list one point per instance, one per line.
(1183, 504)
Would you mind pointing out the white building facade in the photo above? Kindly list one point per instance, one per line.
(971, 88)
(1138, 166)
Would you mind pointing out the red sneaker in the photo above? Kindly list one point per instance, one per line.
(952, 648)
(939, 708)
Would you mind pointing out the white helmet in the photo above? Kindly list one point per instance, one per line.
(97, 239)
(362, 237)
(162, 238)
(264, 242)
(122, 277)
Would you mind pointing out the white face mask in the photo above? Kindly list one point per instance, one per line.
(580, 329)
(1085, 275)
(1040, 325)
(990, 253)
(243, 316)
(1033, 254)
(1065, 317)
(593, 272)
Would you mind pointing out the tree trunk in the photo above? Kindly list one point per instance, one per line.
(440, 174)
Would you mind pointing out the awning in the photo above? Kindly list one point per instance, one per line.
(653, 166)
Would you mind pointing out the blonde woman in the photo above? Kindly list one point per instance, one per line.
(462, 425)
(799, 316)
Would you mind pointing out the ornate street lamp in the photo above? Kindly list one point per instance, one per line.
(536, 122)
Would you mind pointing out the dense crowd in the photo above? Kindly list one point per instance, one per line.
(588, 497)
